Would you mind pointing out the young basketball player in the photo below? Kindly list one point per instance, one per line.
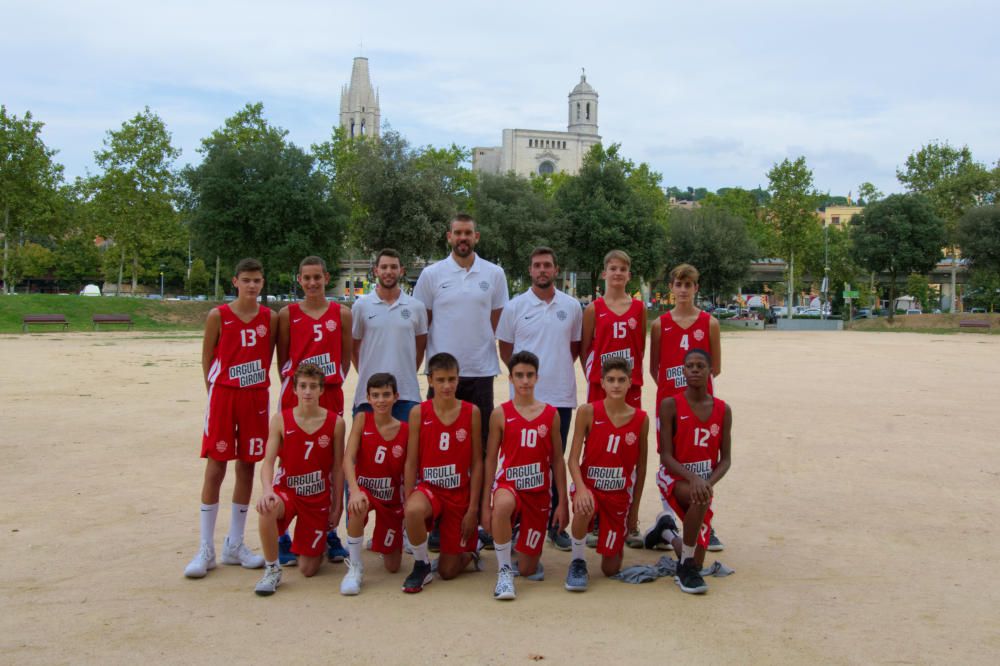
(373, 467)
(674, 334)
(525, 434)
(610, 435)
(443, 475)
(309, 439)
(235, 358)
(315, 331)
(696, 439)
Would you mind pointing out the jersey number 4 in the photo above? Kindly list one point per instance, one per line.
(684, 343)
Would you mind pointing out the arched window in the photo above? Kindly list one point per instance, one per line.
(588, 110)
(362, 128)
(577, 110)
(352, 129)
(546, 168)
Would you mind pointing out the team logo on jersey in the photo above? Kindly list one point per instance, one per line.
(632, 323)
(324, 441)
(397, 451)
(404, 313)
(461, 434)
(561, 315)
(699, 335)
(484, 285)
(221, 446)
(714, 430)
(261, 330)
(630, 438)
(543, 430)
(331, 325)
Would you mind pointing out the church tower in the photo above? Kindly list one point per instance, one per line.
(359, 109)
(583, 108)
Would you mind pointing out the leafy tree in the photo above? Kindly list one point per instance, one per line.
(77, 260)
(983, 290)
(135, 193)
(979, 235)
(831, 248)
(612, 203)
(198, 279)
(919, 287)
(716, 242)
(29, 178)
(745, 205)
(953, 182)
(868, 194)
(791, 211)
(33, 261)
(899, 235)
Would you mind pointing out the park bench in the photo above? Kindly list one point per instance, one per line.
(99, 319)
(43, 319)
(974, 323)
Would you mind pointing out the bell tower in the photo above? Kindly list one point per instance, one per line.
(359, 103)
(583, 107)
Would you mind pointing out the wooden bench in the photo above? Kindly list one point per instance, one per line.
(43, 319)
(99, 319)
(974, 323)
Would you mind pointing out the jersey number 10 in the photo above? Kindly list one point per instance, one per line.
(529, 438)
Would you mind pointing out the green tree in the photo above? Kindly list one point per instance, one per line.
(868, 194)
(979, 236)
(198, 278)
(918, 286)
(134, 195)
(77, 260)
(831, 248)
(983, 290)
(716, 242)
(29, 178)
(792, 212)
(33, 261)
(899, 235)
(746, 205)
(611, 203)
(953, 182)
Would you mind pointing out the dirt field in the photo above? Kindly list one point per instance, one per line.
(859, 516)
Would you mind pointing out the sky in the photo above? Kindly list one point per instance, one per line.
(710, 94)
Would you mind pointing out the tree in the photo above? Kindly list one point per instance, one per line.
(134, 195)
(979, 236)
(953, 182)
(830, 247)
(611, 203)
(198, 279)
(716, 242)
(983, 290)
(791, 211)
(29, 178)
(868, 194)
(77, 260)
(899, 235)
(745, 205)
(33, 261)
(918, 286)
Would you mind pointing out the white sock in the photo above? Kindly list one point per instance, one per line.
(687, 552)
(420, 553)
(502, 551)
(668, 535)
(273, 564)
(354, 546)
(238, 524)
(209, 512)
(579, 548)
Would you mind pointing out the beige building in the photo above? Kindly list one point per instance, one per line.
(359, 107)
(528, 151)
(839, 215)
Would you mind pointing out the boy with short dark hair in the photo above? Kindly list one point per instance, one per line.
(444, 476)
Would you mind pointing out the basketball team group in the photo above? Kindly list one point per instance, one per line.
(447, 472)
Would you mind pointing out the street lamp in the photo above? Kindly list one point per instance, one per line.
(161, 282)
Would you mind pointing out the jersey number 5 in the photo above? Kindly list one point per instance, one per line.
(318, 331)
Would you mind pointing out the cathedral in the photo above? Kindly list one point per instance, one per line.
(359, 109)
(528, 151)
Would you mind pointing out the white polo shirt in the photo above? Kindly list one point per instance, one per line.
(461, 302)
(388, 342)
(546, 330)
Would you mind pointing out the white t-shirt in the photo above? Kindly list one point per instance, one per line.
(546, 330)
(388, 342)
(461, 302)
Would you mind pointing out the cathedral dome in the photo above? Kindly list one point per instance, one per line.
(583, 86)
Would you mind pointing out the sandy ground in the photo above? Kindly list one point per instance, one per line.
(860, 516)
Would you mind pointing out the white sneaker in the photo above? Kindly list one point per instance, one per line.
(505, 584)
(269, 583)
(202, 563)
(240, 555)
(351, 585)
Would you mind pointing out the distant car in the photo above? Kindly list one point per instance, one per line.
(154, 297)
(913, 311)
(978, 311)
(864, 313)
(811, 312)
(779, 310)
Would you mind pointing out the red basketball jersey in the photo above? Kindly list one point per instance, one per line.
(243, 352)
(610, 454)
(697, 442)
(379, 464)
(445, 451)
(616, 335)
(315, 341)
(675, 342)
(307, 461)
(525, 459)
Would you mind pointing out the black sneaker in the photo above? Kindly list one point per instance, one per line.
(420, 576)
(434, 541)
(560, 539)
(577, 576)
(714, 544)
(654, 535)
(485, 539)
(689, 578)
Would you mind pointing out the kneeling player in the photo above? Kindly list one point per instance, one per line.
(695, 455)
(373, 469)
(445, 456)
(607, 484)
(525, 434)
(310, 441)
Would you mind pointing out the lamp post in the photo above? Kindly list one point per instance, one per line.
(826, 271)
(161, 282)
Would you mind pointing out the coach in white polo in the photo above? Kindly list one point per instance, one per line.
(548, 323)
(464, 295)
(390, 333)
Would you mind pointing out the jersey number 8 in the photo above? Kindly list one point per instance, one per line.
(445, 441)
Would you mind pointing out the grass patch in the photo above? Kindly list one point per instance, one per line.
(147, 315)
(938, 324)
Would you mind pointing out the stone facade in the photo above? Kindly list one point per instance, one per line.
(359, 104)
(528, 151)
